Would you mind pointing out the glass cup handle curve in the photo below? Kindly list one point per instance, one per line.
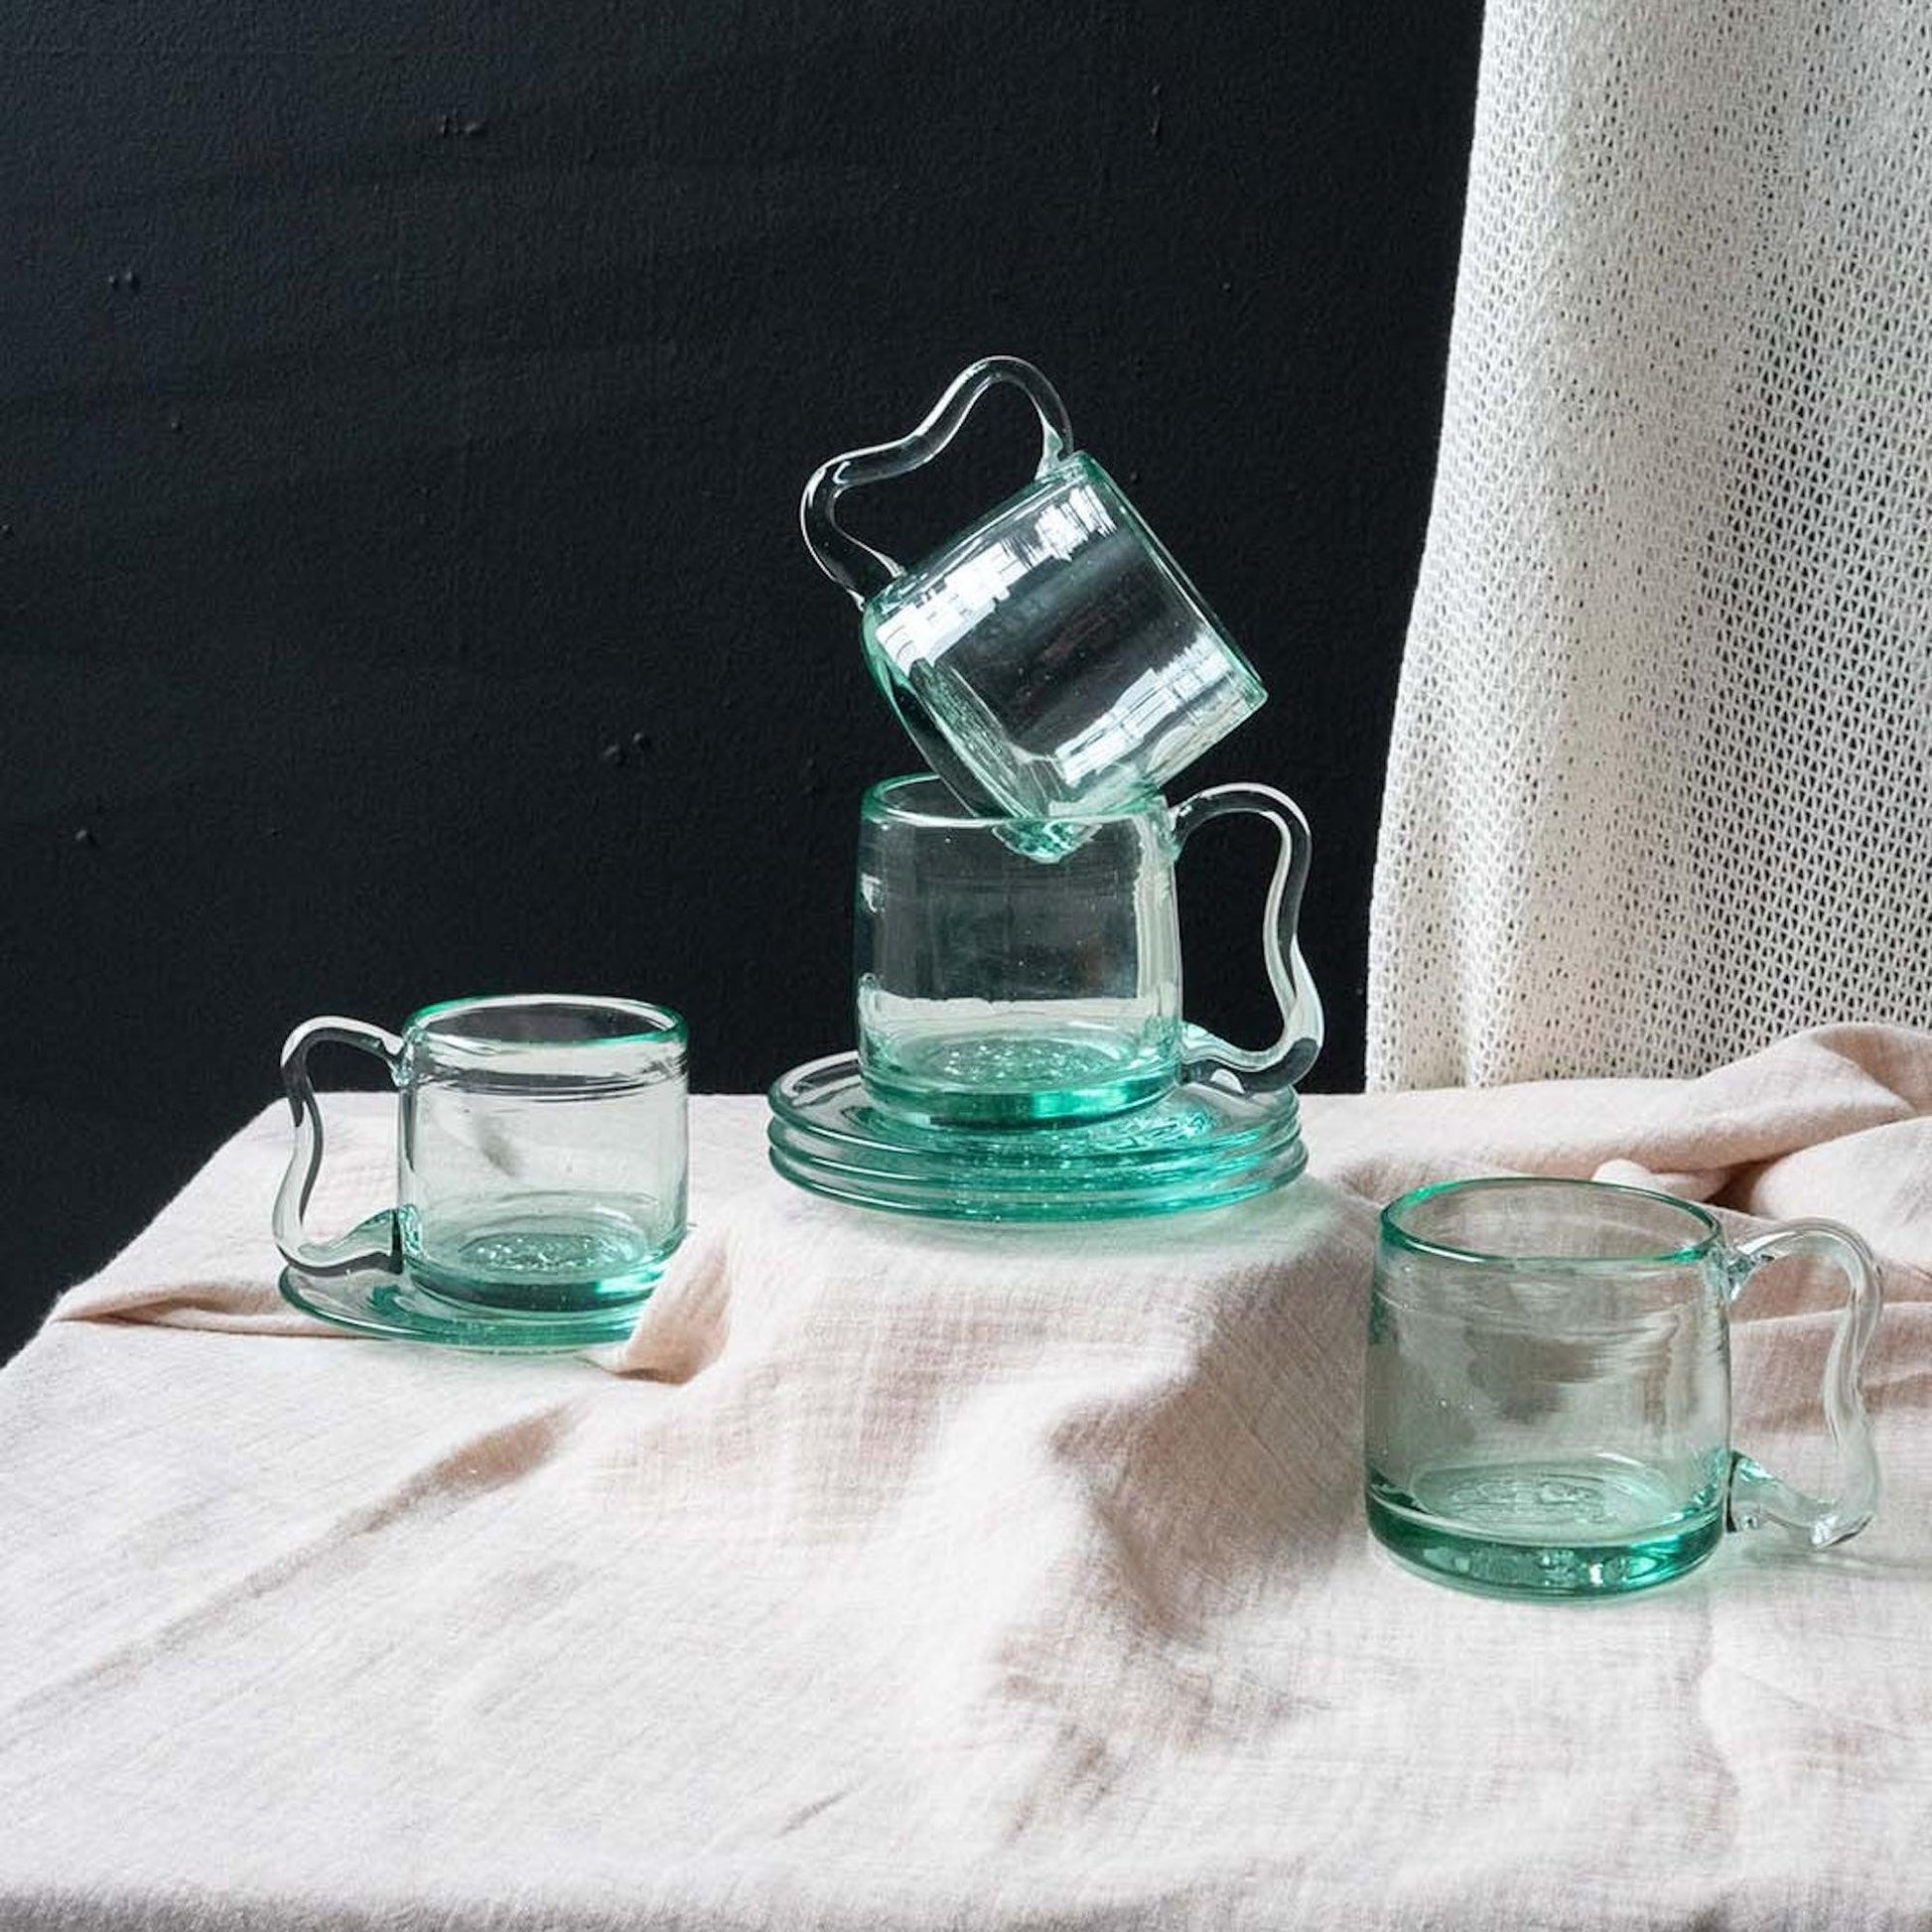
(375, 1243)
(1757, 1496)
(1291, 1056)
(857, 567)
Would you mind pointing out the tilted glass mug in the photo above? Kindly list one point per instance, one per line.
(1547, 1409)
(1052, 659)
(540, 1152)
(996, 988)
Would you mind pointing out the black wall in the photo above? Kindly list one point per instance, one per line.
(402, 418)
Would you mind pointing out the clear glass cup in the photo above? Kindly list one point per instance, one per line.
(1052, 660)
(1546, 1411)
(540, 1151)
(997, 986)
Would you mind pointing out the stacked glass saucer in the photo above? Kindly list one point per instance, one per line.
(1197, 1145)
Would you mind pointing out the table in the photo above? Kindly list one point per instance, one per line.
(902, 1574)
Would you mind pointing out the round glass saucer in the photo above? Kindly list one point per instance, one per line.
(1200, 1146)
(373, 1302)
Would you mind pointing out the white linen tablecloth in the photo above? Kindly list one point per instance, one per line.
(899, 1574)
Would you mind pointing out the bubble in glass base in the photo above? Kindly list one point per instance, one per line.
(547, 1255)
(1011, 1067)
(1596, 1526)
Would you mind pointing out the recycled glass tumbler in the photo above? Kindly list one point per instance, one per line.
(540, 1151)
(1002, 986)
(1051, 659)
(1547, 1409)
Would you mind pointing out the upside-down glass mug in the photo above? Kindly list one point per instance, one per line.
(540, 1152)
(1052, 659)
(998, 989)
(1546, 1411)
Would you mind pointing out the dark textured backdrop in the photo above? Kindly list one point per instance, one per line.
(402, 416)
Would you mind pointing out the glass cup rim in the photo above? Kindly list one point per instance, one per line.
(1393, 1232)
(1074, 466)
(880, 806)
(658, 1026)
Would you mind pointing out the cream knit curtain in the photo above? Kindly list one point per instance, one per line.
(1660, 788)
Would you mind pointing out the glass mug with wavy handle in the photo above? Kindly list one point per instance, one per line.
(1547, 1409)
(1052, 659)
(996, 988)
(540, 1152)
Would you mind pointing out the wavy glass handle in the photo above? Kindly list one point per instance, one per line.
(1291, 1056)
(375, 1243)
(855, 566)
(1757, 1496)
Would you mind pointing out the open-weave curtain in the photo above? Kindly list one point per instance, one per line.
(1660, 788)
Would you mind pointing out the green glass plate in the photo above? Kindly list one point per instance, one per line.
(373, 1302)
(1198, 1147)
(825, 1104)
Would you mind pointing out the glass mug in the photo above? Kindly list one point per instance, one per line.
(1546, 1411)
(540, 1152)
(998, 989)
(1052, 659)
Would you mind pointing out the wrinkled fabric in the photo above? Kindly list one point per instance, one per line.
(903, 1573)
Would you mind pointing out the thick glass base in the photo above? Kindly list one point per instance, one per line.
(1014, 1068)
(1020, 1106)
(1585, 1527)
(540, 1254)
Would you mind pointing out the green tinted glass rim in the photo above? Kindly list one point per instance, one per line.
(880, 806)
(659, 1026)
(1397, 1236)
